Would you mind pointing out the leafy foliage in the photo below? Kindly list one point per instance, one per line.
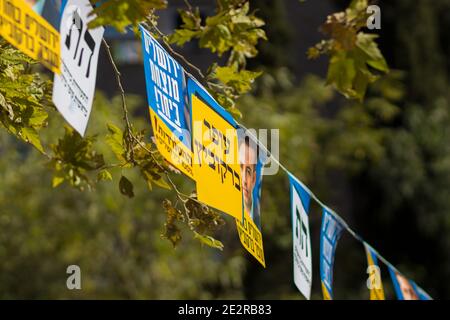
(24, 96)
(73, 157)
(115, 241)
(234, 30)
(120, 14)
(354, 55)
(229, 83)
(231, 29)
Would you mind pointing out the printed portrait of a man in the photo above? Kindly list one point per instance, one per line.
(250, 164)
(406, 288)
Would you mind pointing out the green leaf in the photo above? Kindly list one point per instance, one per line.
(366, 42)
(115, 141)
(191, 20)
(354, 55)
(153, 177)
(57, 180)
(38, 118)
(74, 157)
(104, 175)
(181, 36)
(126, 187)
(240, 81)
(31, 136)
(341, 73)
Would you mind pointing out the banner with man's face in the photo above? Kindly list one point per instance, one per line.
(227, 166)
(198, 137)
(406, 289)
(252, 158)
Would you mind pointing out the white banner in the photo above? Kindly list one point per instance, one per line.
(73, 89)
(301, 237)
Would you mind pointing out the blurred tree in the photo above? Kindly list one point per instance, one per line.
(116, 241)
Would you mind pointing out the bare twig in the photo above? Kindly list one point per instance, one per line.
(128, 126)
(186, 2)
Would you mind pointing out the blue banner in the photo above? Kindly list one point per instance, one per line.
(166, 87)
(329, 235)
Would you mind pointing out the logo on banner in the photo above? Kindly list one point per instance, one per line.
(74, 88)
(301, 240)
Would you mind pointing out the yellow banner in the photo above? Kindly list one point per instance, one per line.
(216, 169)
(170, 146)
(326, 294)
(251, 238)
(30, 33)
(375, 283)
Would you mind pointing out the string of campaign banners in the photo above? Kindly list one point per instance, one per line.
(194, 134)
(198, 106)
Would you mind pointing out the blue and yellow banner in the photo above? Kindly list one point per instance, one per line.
(199, 138)
(329, 235)
(170, 112)
(374, 283)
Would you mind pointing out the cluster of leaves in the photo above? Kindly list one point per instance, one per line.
(132, 151)
(200, 218)
(115, 242)
(233, 30)
(24, 96)
(354, 55)
(360, 131)
(228, 83)
(73, 157)
(131, 12)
